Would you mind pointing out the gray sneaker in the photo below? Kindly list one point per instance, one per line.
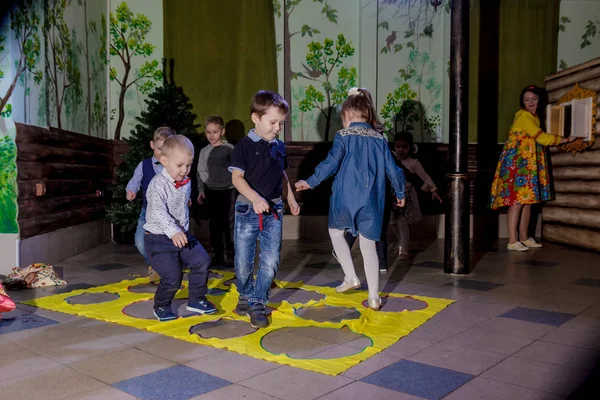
(242, 307)
(258, 316)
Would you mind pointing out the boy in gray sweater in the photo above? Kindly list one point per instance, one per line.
(216, 190)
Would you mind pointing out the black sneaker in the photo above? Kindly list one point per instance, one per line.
(201, 307)
(164, 314)
(242, 307)
(258, 316)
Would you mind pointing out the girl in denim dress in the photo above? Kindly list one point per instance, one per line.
(361, 159)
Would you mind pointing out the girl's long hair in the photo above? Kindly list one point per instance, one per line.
(362, 103)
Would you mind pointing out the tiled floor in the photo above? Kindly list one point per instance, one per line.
(524, 326)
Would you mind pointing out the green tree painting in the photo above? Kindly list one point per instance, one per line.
(284, 9)
(415, 104)
(8, 186)
(62, 70)
(128, 39)
(323, 59)
(24, 22)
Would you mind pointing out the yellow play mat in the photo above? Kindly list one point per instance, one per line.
(381, 327)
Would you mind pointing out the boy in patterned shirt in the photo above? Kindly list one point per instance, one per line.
(169, 245)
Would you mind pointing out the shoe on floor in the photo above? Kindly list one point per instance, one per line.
(353, 283)
(152, 275)
(532, 243)
(375, 304)
(517, 246)
(201, 307)
(383, 270)
(164, 314)
(242, 307)
(258, 316)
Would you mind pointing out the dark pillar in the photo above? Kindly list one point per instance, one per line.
(456, 258)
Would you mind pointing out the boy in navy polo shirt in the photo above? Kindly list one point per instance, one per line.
(144, 172)
(257, 167)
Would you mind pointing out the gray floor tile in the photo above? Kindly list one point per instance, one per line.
(554, 353)
(457, 358)
(482, 388)
(537, 375)
(295, 384)
(480, 339)
(231, 366)
(473, 284)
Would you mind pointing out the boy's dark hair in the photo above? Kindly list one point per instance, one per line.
(264, 99)
(404, 137)
(214, 119)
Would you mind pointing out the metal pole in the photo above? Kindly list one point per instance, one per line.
(456, 257)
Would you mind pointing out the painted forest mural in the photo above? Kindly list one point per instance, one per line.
(322, 48)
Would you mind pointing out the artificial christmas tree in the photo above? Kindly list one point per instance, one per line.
(168, 106)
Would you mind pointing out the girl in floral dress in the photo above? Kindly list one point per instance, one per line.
(522, 177)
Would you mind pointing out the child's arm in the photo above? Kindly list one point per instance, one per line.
(291, 199)
(327, 167)
(396, 176)
(428, 185)
(259, 204)
(202, 174)
(133, 186)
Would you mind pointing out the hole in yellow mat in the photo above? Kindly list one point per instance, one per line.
(224, 328)
(399, 304)
(214, 275)
(92, 298)
(327, 313)
(315, 343)
(293, 296)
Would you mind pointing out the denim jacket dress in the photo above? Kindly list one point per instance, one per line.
(361, 158)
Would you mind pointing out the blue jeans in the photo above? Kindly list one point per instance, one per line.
(139, 236)
(247, 230)
(169, 261)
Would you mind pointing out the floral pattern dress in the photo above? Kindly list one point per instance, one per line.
(522, 175)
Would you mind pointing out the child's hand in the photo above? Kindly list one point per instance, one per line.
(201, 198)
(179, 239)
(400, 202)
(260, 206)
(130, 195)
(301, 185)
(189, 202)
(294, 207)
(436, 196)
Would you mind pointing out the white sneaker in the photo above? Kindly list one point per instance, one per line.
(517, 246)
(353, 283)
(532, 243)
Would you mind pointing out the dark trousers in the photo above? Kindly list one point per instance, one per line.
(381, 245)
(221, 206)
(169, 261)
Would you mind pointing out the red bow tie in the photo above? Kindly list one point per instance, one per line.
(181, 183)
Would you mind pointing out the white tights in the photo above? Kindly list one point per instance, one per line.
(370, 259)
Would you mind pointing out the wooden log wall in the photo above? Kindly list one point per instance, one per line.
(574, 217)
(62, 178)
